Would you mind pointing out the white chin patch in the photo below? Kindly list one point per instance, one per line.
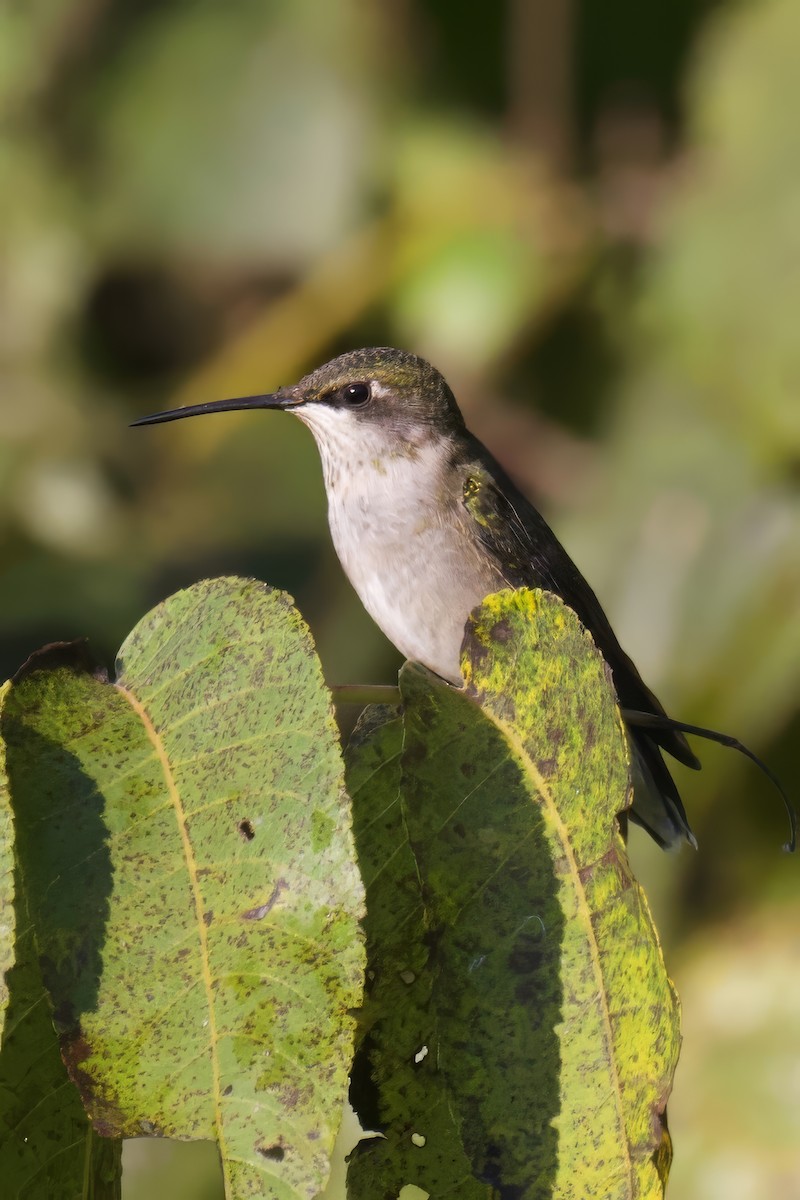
(339, 433)
(322, 419)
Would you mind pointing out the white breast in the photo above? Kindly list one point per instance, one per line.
(407, 552)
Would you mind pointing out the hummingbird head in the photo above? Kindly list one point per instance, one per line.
(388, 399)
(377, 396)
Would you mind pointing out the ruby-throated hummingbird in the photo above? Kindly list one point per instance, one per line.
(426, 524)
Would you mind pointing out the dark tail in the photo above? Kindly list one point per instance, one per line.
(657, 722)
(657, 805)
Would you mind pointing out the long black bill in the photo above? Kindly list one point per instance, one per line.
(659, 721)
(273, 400)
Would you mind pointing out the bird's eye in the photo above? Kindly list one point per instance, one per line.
(354, 395)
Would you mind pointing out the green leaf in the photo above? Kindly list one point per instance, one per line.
(7, 915)
(397, 1017)
(47, 1145)
(522, 1032)
(188, 861)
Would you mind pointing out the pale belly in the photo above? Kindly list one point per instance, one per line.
(417, 579)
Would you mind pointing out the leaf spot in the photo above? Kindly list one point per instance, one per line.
(258, 913)
(274, 1153)
(246, 830)
(501, 631)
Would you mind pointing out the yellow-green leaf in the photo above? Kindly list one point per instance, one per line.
(531, 974)
(188, 863)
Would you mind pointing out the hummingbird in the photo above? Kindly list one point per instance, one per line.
(426, 524)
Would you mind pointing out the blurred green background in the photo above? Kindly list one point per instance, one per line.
(588, 216)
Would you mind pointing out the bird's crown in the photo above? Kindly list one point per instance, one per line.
(403, 386)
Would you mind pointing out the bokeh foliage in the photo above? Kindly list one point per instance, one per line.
(586, 215)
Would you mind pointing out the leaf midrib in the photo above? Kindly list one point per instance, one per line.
(191, 869)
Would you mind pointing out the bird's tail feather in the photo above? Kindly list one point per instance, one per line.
(656, 804)
(655, 775)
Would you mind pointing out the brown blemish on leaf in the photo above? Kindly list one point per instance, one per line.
(258, 914)
(501, 631)
(609, 861)
(291, 1096)
(107, 1119)
(275, 1153)
(246, 830)
(416, 753)
(151, 1130)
